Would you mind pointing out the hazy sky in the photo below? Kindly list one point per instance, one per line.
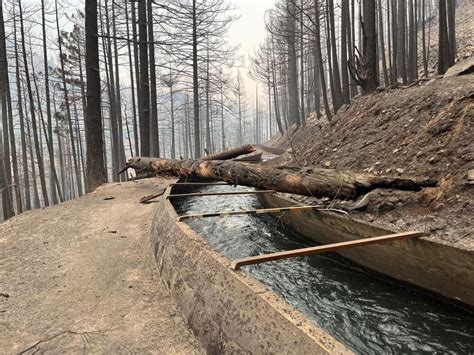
(249, 30)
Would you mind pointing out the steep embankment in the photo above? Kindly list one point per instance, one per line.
(422, 130)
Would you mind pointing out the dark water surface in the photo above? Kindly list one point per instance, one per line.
(369, 314)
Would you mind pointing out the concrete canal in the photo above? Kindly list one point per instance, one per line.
(365, 311)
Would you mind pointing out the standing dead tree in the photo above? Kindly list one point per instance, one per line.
(364, 72)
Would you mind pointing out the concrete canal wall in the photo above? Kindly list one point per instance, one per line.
(230, 312)
(442, 269)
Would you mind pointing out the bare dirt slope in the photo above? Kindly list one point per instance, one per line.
(423, 130)
(79, 277)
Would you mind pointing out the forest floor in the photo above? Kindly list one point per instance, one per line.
(424, 130)
(79, 277)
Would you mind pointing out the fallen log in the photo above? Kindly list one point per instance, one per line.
(252, 158)
(308, 182)
(231, 153)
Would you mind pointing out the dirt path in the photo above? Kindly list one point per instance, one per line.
(79, 277)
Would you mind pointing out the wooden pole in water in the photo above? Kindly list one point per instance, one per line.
(238, 263)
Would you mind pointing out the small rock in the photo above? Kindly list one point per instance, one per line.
(395, 151)
(386, 206)
(334, 150)
(433, 160)
(371, 170)
(327, 164)
(377, 163)
(109, 198)
(388, 171)
(470, 176)
(435, 228)
(399, 170)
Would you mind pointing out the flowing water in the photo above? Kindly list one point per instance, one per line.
(368, 313)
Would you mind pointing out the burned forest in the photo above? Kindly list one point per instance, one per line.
(226, 176)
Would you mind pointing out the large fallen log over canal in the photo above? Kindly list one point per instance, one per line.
(308, 182)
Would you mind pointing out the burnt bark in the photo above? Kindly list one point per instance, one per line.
(154, 136)
(294, 107)
(307, 182)
(197, 122)
(93, 119)
(364, 72)
(144, 92)
(231, 153)
(39, 157)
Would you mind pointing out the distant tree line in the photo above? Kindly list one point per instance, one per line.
(318, 55)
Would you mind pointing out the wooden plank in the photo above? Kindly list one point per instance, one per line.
(238, 263)
(200, 194)
(248, 212)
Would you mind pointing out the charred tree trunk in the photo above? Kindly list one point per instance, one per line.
(24, 154)
(365, 71)
(319, 59)
(67, 104)
(154, 135)
(446, 46)
(382, 45)
(53, 183)
(451, 7)
(137, 76)
(294, 108)
(5, 168)
(393, 29)
(39, 157)
(345, 35)
(144, 92)
(412, 47)
(310, 182)
(197, 121)
(337, 99)
(275, 89)
(302, 68)
(96, 174)
(7, 203)
(401, 40)
(118, 96)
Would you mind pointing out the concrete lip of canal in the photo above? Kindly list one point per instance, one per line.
(230, 312)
